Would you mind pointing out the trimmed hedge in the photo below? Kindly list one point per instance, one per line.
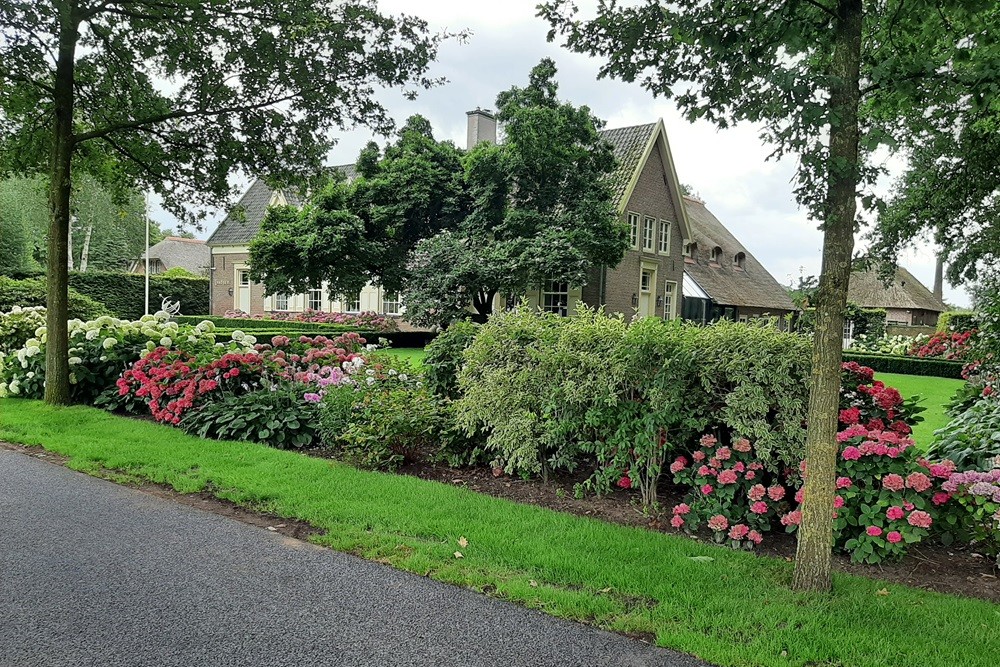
(275, 326)
(956, 320)
(396, 338)
(887, 363)
(31, 292)
(124, 293)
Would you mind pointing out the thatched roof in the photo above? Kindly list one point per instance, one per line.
(750, 287)
(868, 290)
(175, 251)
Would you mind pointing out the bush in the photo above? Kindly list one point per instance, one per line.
(368, 321)
(867, 401)
(444, 358)
(124, 293)
(18, 326)
(972, 439)
(271, 326)
(978, 494)
(277, 417)
(908, 365)
(31, 292)
(956, 320)
(955, 346)
(893, 345)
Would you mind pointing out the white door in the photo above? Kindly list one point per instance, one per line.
(647, 293)
(243, 282)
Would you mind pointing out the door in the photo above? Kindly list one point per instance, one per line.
(647, 293)
(243, 284)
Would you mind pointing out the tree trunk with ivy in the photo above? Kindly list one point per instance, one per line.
(815, 537)
(57, 270)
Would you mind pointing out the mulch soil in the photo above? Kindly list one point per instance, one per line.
(933, 567)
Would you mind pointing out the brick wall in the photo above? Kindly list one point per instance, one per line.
(223, 277)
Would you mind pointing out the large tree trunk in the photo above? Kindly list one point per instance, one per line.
(85, 252)
(814, 554)
(57, 346)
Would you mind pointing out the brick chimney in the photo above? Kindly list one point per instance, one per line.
(482, 127)
(939, 279)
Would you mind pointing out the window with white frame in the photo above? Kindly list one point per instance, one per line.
(645, 280)
(664, 237)
(633, 230)
(555, 297)
(690, 248)
(352, 304)
(669, 299)
(647, 234)
(315, 299)
(244, 278)
(391, 303)
(281, 302)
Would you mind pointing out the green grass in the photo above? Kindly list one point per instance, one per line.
(935, 392)
(731, 608)
(414, 355)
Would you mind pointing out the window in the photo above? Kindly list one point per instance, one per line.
(669, 299)
(716, 254)
(645, 278)
(244, 279)
(391, 304)
(352, 304)
(647, 234)
(633, 230)
(315, 301)
(740, 260)
(664, 237)
(281, 302)
(690, 248)
(555, 298)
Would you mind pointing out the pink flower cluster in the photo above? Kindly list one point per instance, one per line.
(368, 321)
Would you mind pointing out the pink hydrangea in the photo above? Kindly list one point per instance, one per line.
(755, 537)
(759, 507)
(751, 475)
(940, 498)
(894, 537)
(844, 483)
(919, 519)
(742, 445)
(775, 492)
(727, 477)
(918, 481)
(677, 521)
(851, 453)
(708, 441)
(838, 502)
(893, 482)
(625, 482)
(738, 531)
(705, 471)
(874, 531)
(799, 495)
(739, 467)
(723, 453)
(698, 456)
(792, 518)
(893, 513)
(683, 508)
(678, 465)
(757, 492)
(714, 462)
(706, 489)
(718, 522)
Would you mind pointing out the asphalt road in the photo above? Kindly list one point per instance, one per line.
(92, 573)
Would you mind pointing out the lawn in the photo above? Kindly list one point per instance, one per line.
(729, 608)
(935, 392)
(414, 355)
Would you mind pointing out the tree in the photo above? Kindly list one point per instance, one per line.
(410, 191)
(828, 80)
(542, 209)
(174, 95)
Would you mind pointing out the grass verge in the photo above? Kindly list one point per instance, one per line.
(935, 392)
(729, 608)
(415, 355)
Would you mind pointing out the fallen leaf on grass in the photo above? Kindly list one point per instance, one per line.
(462, 542)
(605, 590)
(882, 591)
(701, 559)
(533, 583)
(458, 554)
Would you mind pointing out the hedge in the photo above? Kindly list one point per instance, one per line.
(276, 326)
(956, 320)
(887, 363)
(32, 293)
(124, 293)
(395, 338)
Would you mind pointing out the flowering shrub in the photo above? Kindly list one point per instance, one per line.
(277, 417)
(886, 496)
(953, 345)
(369, 321)
(970, 439)
(979, 494)
(100, 350)
(19, 325)
(867, 401)
(895, 345)
(730, 492)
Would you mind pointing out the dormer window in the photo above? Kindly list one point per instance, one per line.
(690, 248)
(740, 260)
(716, 254)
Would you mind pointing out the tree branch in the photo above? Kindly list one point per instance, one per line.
(820, 5)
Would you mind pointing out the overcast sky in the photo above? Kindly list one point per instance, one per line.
(727, 168)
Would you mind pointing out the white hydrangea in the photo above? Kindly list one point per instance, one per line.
(238, 335)
(166, 341)
(75, 361)
(109, 343)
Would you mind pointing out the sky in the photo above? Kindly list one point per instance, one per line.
(727, 168)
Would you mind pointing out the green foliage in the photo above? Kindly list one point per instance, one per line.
(867, 321)
(18, 326)
(273, 327)
(178, 272)
(124, 293)
(543, 209)
(277, 417)
(972, 439)
(444, 358)
(956, 320)
(31, 292)
(886, 363)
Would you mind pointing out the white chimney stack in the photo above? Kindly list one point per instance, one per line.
(482, 127)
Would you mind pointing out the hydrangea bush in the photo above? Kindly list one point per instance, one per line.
(18, 325)
(978, 494)
(899, 346)
(369, 321)
(952, 345)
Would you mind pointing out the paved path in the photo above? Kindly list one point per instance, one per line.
(92, 573)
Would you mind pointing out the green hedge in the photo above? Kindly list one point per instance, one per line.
(273, 326)
(396, 339)
(956, 320)
(887, 363)
(124, 293)
(31, 292)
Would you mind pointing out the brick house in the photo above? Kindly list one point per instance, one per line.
(651, 280)
(906, 300)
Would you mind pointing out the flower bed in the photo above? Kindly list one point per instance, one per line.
(369, 321)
